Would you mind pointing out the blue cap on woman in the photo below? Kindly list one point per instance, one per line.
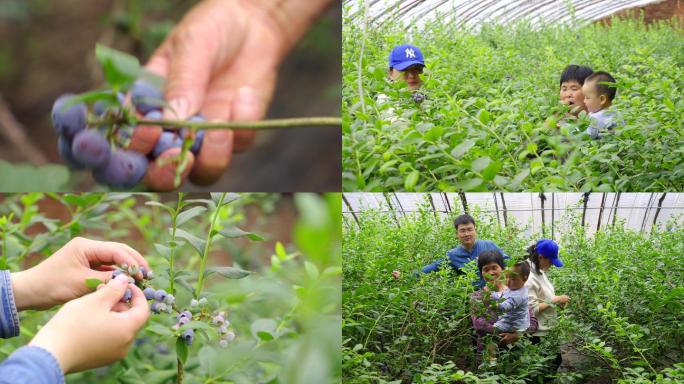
(549, 249)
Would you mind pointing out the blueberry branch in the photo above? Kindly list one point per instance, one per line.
(195, 125)
(205, 254)
(172, 272)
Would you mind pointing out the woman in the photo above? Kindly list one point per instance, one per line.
(541, 292)
(491, 266)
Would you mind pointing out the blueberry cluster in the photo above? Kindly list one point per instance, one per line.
(418, 97)
(222, 323)
(103, 150)
(162, 301)
(184, 318)
(130, 271)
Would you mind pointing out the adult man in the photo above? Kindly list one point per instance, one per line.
(469, 249)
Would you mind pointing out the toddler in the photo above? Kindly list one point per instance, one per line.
(515, 316)
(599, 91)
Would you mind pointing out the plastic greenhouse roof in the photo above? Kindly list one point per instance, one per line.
(469, 13)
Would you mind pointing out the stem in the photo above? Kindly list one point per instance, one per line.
(180, 374)
(195, 125)
(205, 254)
(172, 273)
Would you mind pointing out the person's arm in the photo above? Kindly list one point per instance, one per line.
(533, 300)
(9, 320)
(31, 365)
(433, 267)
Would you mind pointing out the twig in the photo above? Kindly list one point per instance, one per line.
(15, 134)
(262, 124)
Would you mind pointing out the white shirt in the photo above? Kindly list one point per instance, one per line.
(540, 290)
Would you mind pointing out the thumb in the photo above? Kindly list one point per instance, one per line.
(110, 293)
(189, 69)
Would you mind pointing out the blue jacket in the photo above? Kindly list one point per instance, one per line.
(458, 257)
(33, 365)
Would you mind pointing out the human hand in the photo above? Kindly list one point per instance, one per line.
(508, 338)
(61, 277)
(396, 274)
(221, 60)
(96, 329)
(561, 300)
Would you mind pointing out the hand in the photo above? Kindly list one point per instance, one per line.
(221, 60)
(561, 300)
(396, 274)
(96, 329)
(61, 277)
(509, 338)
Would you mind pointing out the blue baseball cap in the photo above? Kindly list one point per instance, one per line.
(404, 56)
(549, 249)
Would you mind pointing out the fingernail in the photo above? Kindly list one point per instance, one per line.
(178, 109)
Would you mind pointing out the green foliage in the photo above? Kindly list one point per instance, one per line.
(490, 120)
(287, 320)
(624, 318)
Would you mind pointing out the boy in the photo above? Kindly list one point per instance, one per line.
(599, 91)
(516, 317)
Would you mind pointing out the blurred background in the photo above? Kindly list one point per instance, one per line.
(47, 48)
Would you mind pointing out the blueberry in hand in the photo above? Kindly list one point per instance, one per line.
(90, 148)
(146, 97)
(67, 155)
(123, 170)
(149, 293)
(167, 140)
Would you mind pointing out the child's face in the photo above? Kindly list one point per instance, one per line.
(410, 75)
(571, 95)
(592, 99)
(514, 280)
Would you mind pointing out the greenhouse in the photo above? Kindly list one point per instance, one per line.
(416, 287)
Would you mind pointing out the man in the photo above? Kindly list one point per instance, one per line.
(469, 249)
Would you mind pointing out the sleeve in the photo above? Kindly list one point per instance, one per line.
(507, 305)
(481, 321)
(31, 365)
(9, 319)
(434, 267)
(533, 299)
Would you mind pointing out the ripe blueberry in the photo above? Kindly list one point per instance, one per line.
(67, 120)
(149, 293)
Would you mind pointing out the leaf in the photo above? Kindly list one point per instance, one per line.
(93, 283)
(181, 350)
(208, 360)
(159, 329)
(227, 199)
(228, 272)
(234, 232)
(462, 148)
(280, 250)
(469, 184)
(197, 243)
(120, 69)
(158, 204)
(196, 324)
(264, 329)
(184, 283)
(28, 178)
(480, 163)
(411, 180)
(311, 270)
(188, 214)
(484, 116)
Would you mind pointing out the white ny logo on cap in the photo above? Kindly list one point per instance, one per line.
(410, 53)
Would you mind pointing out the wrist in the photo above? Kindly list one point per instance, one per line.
(24, 296)
(50, 343)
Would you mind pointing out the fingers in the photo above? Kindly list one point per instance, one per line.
(139, 311)
(145, 138)
(247, 106)
(111, 293)
(108, 252)
(161, 177)
(213, 157)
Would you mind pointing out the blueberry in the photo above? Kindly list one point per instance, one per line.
(169, 299)
(127, 296)
(223, 329)
(230, 336)
(67, 120)
(143, 271)
(418, 97)
(197, 144)
(149, 293)
(188, 336)
(160, 295)
(124, 169)
(223, 343)
(183, 320)
(187, 314)
(91, 148)
(203, 301)
(154, 115)
(194, 303)
(155, 307)
(116, 273)
(146, 97)
(167, 140)
(67, 155)
(218, 320)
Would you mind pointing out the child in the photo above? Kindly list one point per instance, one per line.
(599, 92)
(516, 316)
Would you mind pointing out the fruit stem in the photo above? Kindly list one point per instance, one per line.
(261, 124)
(179, 376)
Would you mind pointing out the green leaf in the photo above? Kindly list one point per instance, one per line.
(197, 243)
(28, 178)
(208, 360)
(196, 324)
(264, 329)
(280, 251)
(228, 272)
(186, 215)
(184, 283)
(170, 210)
(480, 163)
(462, 148)
(181, 350)
(469, 184)
(311, 270)
(159, 329)
(234, 232)
(93, 283)
(484, 116)
(120, 69)
(411, 180)
(227, 199)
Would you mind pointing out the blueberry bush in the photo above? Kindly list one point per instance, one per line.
(272, 316)
(491, 110)
(623, 323)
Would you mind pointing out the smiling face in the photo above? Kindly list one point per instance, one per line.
(593, 101)
(571, 95)
(491, 272)
(466, 235)
(410, 75)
